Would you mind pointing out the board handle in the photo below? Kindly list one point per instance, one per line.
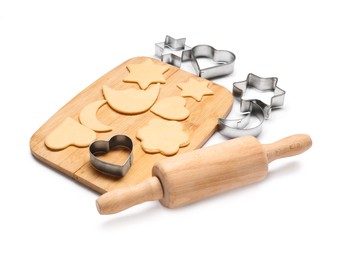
(124, 198)
(288, 146)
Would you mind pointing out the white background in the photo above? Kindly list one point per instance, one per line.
(52, 50)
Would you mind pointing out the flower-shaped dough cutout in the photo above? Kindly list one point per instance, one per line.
(163, 136)
(69, 132)
(146, 73)
(195, 89)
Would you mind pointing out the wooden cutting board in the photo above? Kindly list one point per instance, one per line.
(74, 161)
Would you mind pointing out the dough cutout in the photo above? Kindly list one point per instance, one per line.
(131, 101)
(195, 89)
(146, 73)
(69, 132)
(172, 108)
(162, 136)
(88, 117)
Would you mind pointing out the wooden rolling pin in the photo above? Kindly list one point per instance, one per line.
(189, 177)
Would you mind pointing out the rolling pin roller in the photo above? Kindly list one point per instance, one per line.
(189, 177)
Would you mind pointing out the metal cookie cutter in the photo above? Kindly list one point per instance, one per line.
(173, 51)
(262, 84)
(233, 128)
(238, 127)
(102, 147)
(225, 60)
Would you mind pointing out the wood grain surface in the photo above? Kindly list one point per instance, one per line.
(74, 161)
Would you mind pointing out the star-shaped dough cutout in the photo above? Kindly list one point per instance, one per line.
(195, 89)
(146, 73)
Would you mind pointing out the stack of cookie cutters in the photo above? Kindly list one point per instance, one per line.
(233, 128)
(175, 51)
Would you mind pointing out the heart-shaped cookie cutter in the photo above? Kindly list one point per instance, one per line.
(225, 60)
(101, 147)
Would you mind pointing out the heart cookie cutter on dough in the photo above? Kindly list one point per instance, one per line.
(102, 147)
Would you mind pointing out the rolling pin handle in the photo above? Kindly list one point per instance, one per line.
(288, 146)
(121, 199)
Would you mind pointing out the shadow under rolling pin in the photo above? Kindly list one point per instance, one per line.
(202, 173)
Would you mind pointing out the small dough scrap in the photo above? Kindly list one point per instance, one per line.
(162, 136)
(69, 132)
(88, 117)
(146, 73)
(131, 101)
(172, 108)
(195, 89)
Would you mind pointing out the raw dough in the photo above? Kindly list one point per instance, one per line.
(172, 108)
(69, 132)
(131, 101)
(88, 117)
(195, 89)
(162, 136)
(146, 73)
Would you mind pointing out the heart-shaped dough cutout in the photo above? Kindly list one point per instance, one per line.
(69, 132)
(172, 108)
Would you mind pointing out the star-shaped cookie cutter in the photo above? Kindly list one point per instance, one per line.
(262, 84)
(233, 128)
(173, 51)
